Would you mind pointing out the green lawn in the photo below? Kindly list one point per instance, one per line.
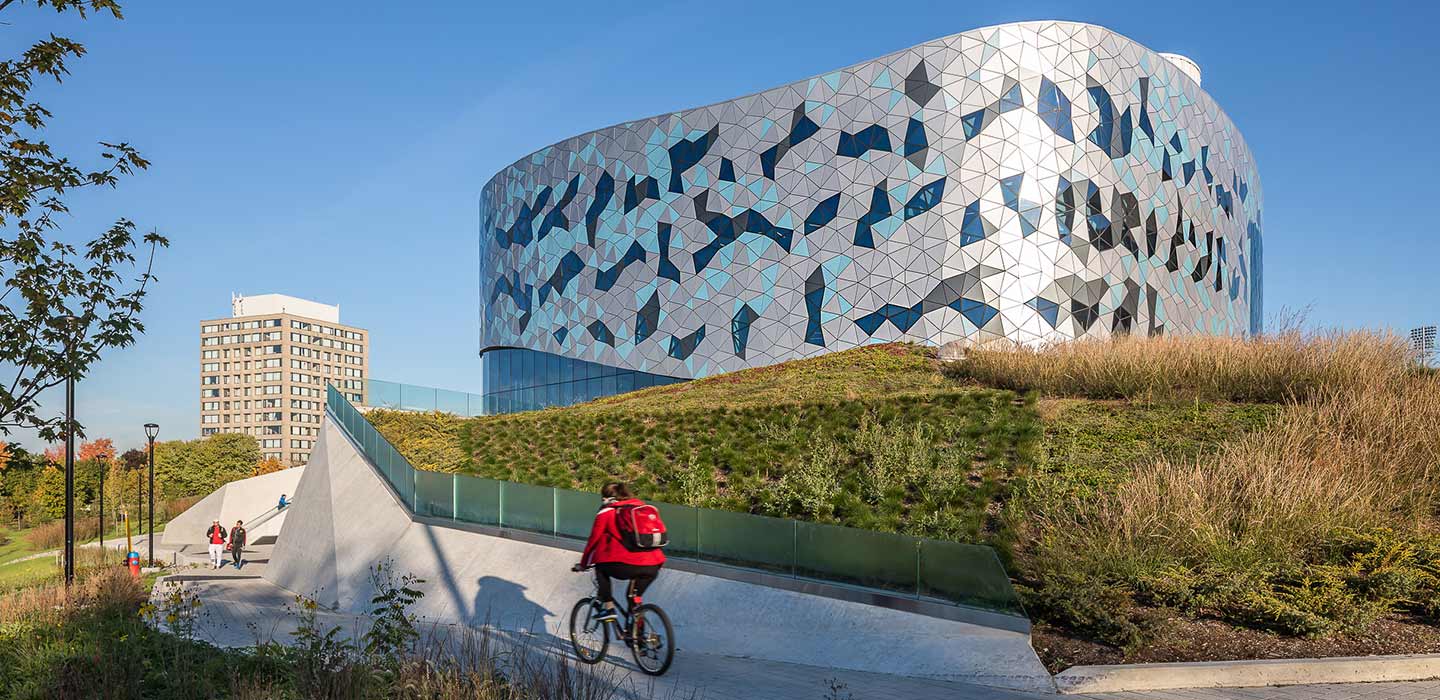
(14, 544)
(24, 573)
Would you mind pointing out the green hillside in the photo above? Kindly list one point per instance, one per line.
(1211, 478)
(876, 438)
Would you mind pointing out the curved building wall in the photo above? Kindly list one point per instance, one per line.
(1040, 182)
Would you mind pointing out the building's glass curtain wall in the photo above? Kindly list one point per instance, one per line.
(525, 380)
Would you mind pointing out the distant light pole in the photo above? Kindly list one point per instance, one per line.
(102, 504)
(139, 503)
(70, 322)
(152, 430)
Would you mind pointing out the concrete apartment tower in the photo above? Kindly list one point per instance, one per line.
(1423, 341)
(264, 369)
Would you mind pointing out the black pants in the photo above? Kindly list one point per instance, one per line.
(640, 579)
(235, 553)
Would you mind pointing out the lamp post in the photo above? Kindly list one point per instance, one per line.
(152, 430)
(70, 322)
(139, 504)
(102, 505)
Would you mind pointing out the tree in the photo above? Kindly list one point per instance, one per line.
(18, 479)
(101, 448)
(49, 496)
(197, 467)
(134, 458)
(269, 465)
(61, 306)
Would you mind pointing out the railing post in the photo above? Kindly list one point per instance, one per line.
(500, 514)
(454, 496)
(794, 548)
(919, 552)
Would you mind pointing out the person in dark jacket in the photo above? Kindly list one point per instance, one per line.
(237, 542)
(215, 539)
(607, 553)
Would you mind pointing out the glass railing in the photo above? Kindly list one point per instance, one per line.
(408, 397)
(951, 572)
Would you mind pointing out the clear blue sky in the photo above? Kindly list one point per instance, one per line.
(336, 150)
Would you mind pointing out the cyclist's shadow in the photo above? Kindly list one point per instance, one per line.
(501, 604)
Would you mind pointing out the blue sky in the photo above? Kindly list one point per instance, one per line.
(336, 150)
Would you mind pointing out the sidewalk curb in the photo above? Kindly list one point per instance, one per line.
(1240, 674)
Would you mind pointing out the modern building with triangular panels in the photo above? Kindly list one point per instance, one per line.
(1037, 182)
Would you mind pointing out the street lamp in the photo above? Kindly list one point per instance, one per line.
(70, 322)
(102, 504)
(151, 430)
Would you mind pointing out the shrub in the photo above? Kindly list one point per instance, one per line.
(173, 507)
(51, 535)
(1323, 517)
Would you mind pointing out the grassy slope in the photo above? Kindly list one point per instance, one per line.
(875, 437)
(1090, 445)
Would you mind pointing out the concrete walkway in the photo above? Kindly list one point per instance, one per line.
(239, 611)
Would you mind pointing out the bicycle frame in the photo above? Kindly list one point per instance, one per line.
(625, 612)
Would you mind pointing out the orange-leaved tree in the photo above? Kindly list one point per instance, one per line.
(269, 465)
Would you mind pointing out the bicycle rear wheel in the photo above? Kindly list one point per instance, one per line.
(652, 639)
(589, 637)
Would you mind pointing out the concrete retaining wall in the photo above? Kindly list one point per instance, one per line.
(350, 520)
(1242, 674)
(251, 500)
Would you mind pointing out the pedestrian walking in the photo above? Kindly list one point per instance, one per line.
(237, 542)
(216, 537)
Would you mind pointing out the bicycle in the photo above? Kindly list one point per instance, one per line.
(646, 631)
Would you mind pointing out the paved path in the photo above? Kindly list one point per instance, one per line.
(241, 611)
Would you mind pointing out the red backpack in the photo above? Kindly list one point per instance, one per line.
(640, 527)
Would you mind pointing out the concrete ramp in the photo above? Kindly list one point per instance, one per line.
(351, 520)
(252, 500)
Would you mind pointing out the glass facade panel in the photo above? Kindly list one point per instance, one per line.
(575, 512)
(682, 523)
(860, 557)
(408, 397)
(969, 574)
(405, 483)
(417, 398)
(526, 380)
(382, 394)
(753, 541)
(435, 494)
(526, 507)
(477, 500)
(454, 402)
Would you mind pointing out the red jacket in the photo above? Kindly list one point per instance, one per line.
(606, 547)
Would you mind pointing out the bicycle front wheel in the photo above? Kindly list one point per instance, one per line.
(652, 639)
(589, 637)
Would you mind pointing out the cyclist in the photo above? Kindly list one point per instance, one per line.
(611, 558)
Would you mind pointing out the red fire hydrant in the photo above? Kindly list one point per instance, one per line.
(133, 560)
